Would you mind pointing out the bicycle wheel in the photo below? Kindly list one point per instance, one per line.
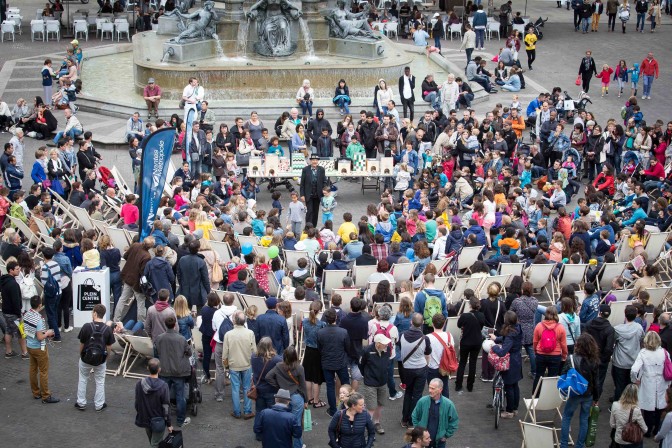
(497, 405)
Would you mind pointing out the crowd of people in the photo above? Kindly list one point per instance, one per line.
(458, 181)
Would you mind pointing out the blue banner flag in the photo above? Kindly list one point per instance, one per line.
(156, 151)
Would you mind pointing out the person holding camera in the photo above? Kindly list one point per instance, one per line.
(304, 97)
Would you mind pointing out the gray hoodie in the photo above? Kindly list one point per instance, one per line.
(628, 343)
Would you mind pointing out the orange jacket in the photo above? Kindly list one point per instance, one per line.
(560, 334)
(518, 126)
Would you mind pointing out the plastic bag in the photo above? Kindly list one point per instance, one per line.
(578, 80)
(592, 425)
(307, 420)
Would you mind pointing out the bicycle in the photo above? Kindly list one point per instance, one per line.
(497, 396)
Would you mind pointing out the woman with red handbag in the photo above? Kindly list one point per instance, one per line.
(511, 341)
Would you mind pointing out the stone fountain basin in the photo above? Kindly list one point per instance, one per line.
(235, 77)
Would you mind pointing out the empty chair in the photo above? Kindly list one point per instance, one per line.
(391, 28)
(7, 27)
(548, 399)
(537, 436)
(37, 27)
(107, 27)
(54, 27)
(493, 27)
(81, 27)
(520, 28)
(455, 29)
(17, 21)
(99, 25)
(122, 28)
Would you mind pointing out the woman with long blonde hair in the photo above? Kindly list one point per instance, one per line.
(620, 413)
(204, 223)
(210, 257)
(185, 321)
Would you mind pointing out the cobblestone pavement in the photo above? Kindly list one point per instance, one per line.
(28, 421)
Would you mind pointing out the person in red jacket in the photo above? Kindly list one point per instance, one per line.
(605, 180)
(654, 176)
(649, 69)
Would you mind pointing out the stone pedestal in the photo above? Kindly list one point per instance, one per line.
(309, 7)
(168, 26)
(353, 48)
(190, 51)
(234, 9)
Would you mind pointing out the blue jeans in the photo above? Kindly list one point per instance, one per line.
(529, 349)
(238, 377)
(434, 99)
(574, 403)
(306, 107)
(134, 326)
(297, 410)
(51, 305)
(584, 24)
(391, 385)
(343, 104)
(327, 216)
(264, 401)
(176, 384)
(480, 38)
(648, 82)
(641, 18)
(468, 51)
(72, 133)
(437, 42)
(115, 283)
(330, 379)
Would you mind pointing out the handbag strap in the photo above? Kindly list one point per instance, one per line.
(569, 326)
(632, 409)
(417, 346)
(261, 374)
(289, 372)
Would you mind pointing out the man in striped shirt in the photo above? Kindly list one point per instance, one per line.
(51, 301)
(36, 335)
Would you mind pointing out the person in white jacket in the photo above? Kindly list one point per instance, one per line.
(450, 92)
(647, 372)
(468, 42)
(225, 312)
(383, 95)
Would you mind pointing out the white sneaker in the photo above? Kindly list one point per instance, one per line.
(68, 330)
(186, 422)
(396, 396)
(643, 97)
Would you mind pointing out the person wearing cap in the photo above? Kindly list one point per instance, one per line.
(601, 330)
(152, 95)
(313, 181)
(77, 50)
(274, 326)
(276, 425)
(374, 364)
(192, 276)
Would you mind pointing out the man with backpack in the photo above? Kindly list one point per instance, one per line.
(443, 359)
(95, 339)
(415, 348)
(222, 323)
(374, 364)
(428, 302)
(50, 275)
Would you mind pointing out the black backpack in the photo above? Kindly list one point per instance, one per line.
(94, 352)
(225, 327)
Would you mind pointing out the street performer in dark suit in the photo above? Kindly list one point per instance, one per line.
(313, 180)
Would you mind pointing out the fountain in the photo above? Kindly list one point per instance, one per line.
(257, 51)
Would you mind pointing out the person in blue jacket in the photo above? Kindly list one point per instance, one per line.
(511, 341)
(638, 212)
(277, 425)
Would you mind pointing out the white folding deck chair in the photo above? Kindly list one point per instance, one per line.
(119, 347)
(222, 249)
(83, 217)
(621, 294)
(487, 281)
(332, 279)
(440, 265)
(141, 347)
(262, 250)
(403, 271)
(362, 274)
(608, 272)
(259, 301)
(655, 244)
(216, 235)
(617, 315)
(121, 183)
(540, 275)
(468, 256)
(44, 232)
(273, 285)
(461, 283)
(347, 295)
(515, 269)
(624, 250)
(27, 233)
(548, 399)
(292, 258)
(119, 238)
(251, 239)
(658, 296)
(238, 302)
(455, 332)
(441, 283)
(570, 273)
(537, 436)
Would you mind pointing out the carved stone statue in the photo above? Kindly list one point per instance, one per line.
(273, 28)
(343, 23)
(201, 26)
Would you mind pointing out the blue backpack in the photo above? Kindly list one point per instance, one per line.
(225, 327)
(51, 286)
(572, 383)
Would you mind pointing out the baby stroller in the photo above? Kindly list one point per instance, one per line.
(630, 163)
(106, 177)
(576, 158)
(567, 106)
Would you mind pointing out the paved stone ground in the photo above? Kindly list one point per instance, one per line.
(557, 63)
